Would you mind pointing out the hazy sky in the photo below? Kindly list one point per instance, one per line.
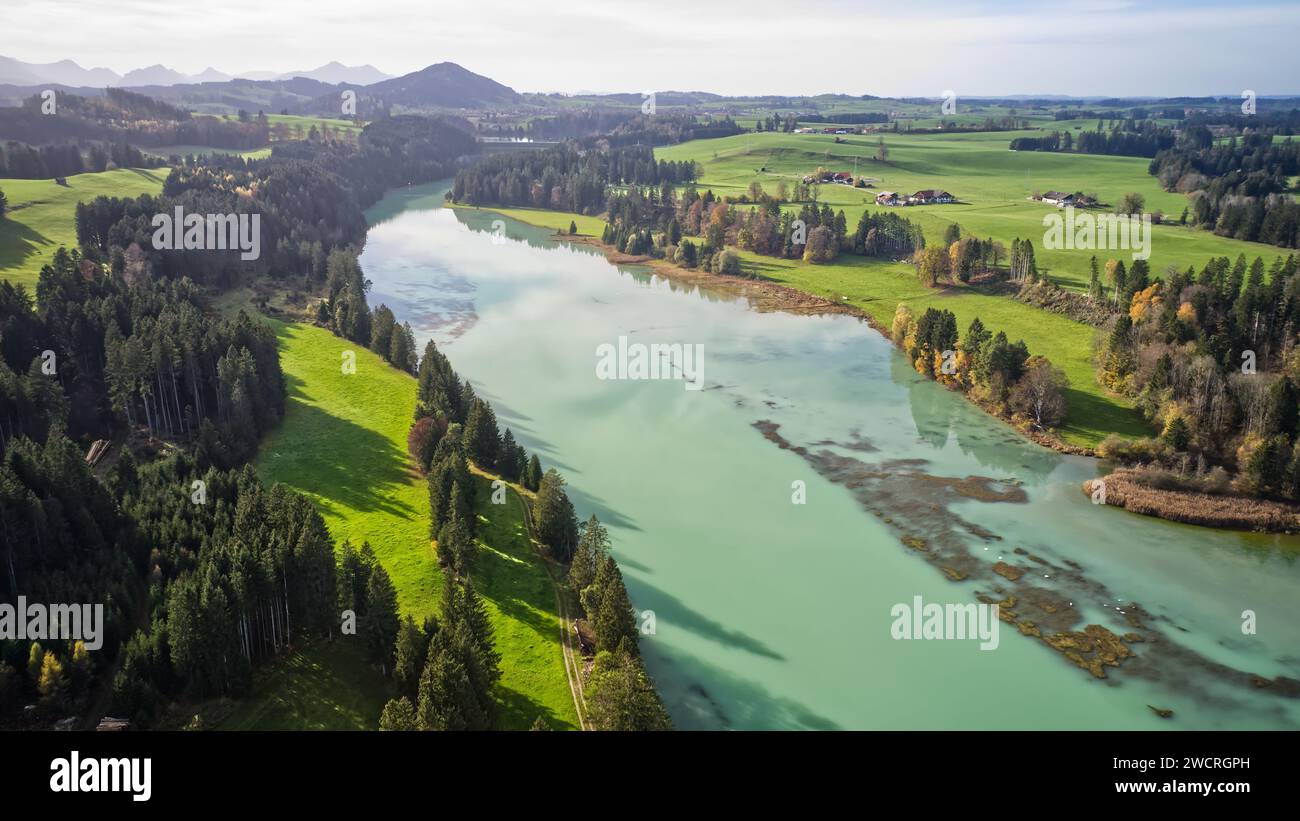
(917, 47)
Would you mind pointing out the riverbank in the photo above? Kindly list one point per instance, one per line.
(1121, 489)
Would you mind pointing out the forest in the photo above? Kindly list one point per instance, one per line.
(1237, 188)
(311, 196)
(1209, 358)
(564, 178)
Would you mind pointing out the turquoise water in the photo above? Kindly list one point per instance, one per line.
(771, 614)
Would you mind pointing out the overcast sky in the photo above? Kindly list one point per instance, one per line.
(917, 47)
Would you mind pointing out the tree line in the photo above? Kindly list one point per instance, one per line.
(446, 682)
(1125, 138)
(564, 178)
(660, 223)
(48, 161)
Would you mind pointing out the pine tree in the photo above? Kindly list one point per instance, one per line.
(613, 619)
(507, 457)
(398, 716)
(557, 524)
(593, 547)
(481, 436)
(412, 647)
(533, 475)
(381, 622)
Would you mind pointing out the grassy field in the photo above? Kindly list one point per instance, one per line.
(555, 220)
(343, 443)
(42, 215)
(993, 183)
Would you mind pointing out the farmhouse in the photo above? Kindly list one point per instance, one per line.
(931, 195)
(841, 177)
(887, 198)
(1058, 198)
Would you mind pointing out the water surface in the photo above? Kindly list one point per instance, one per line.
(771, 614)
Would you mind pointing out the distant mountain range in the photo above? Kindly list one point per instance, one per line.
(68, 73)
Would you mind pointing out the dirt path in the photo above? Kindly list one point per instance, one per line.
(572, 668)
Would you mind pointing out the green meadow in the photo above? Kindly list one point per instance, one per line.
(42, 215)
(343, 444)
(555, 220)
(993, 183)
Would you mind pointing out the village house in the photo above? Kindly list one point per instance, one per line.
(931, 195)
(887, 198)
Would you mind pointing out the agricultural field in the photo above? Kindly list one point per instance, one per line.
(294, 127)
(993, 184)
(366, 489)
(42, 215)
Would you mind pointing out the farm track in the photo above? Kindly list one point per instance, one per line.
(571, 667)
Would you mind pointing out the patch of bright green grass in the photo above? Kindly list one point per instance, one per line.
(543, 218)
(42, 215)
(520, 600)
(343, 443)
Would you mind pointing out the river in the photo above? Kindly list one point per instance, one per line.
(772, 614)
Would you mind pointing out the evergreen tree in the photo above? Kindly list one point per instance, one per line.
(398, 716)
(508, 457)
(533, 474)
(557, 524)
(593, 548)
(381, 621)
(481, 436)
(412, 647)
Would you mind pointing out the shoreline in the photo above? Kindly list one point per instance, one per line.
(765, 295)
(1223, 512)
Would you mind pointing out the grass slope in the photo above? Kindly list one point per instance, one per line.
(42, 215)
(343, 443)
